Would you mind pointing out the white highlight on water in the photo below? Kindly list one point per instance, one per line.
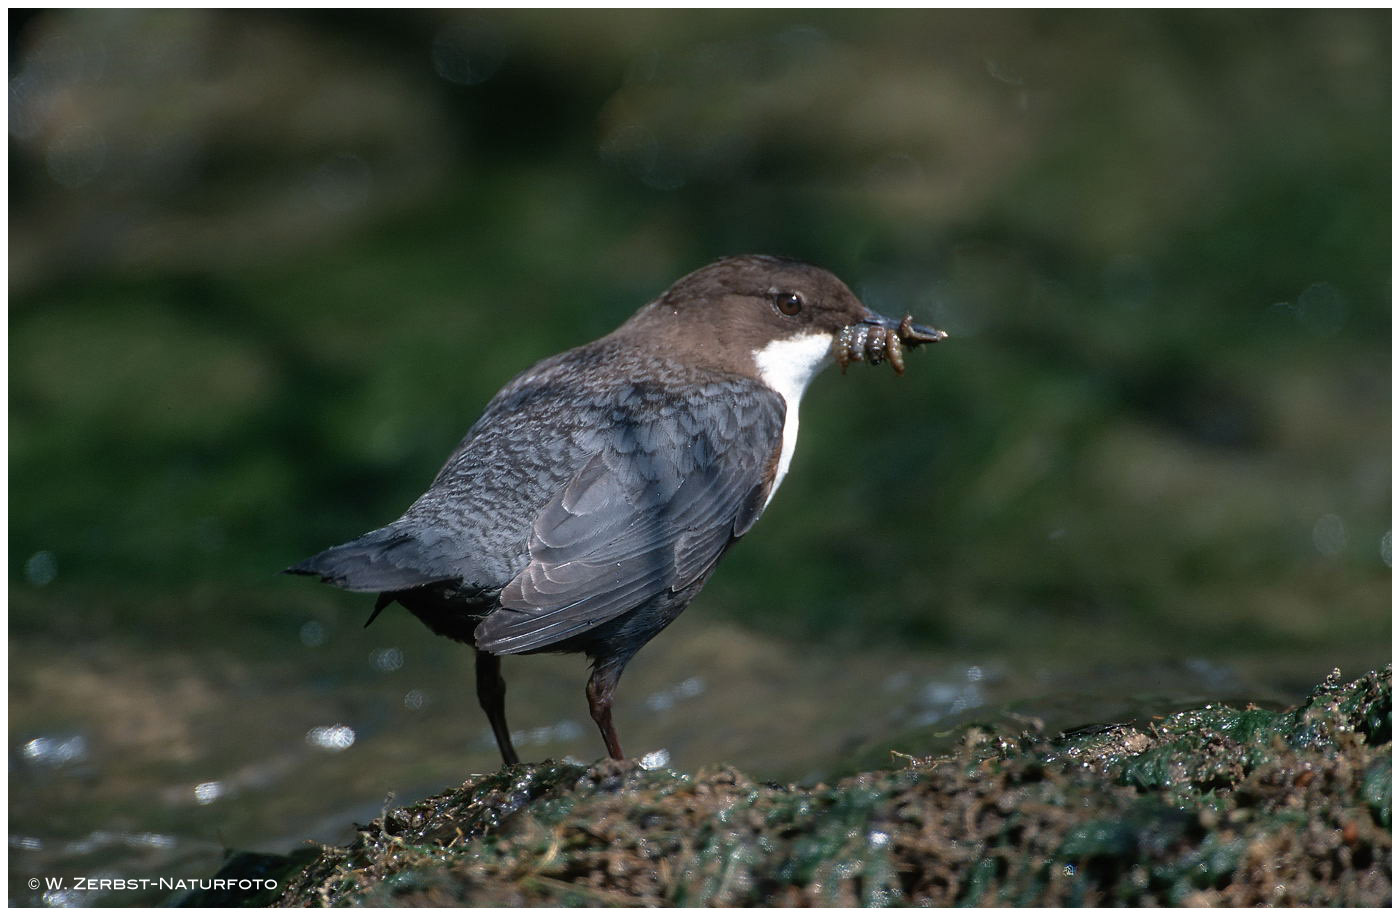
(331, 737)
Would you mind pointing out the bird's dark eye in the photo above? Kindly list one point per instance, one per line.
(788, 303)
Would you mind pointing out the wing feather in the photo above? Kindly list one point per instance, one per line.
(667, 493)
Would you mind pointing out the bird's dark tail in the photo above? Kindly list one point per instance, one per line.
(385, 560)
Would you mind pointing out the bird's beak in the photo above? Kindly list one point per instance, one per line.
(910, 334)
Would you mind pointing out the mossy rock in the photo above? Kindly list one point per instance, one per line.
(1213, 806)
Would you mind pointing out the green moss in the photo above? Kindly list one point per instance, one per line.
(1377, 790)
(1214, 806)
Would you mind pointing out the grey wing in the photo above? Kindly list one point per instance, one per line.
(653, 510)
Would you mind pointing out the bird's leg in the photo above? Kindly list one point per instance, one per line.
(491, 692)
(600, 697)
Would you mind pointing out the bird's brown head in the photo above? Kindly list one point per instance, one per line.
(730, 313)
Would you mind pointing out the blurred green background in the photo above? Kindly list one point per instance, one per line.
(266, 268)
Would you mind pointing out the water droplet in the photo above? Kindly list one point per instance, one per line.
(665, 699)
(27, 97)
(1322, 309)
(1329, 535)
(944, 699)
(415, 699)
(880, 897)
(656, 759)
(390, 659)
(1069, 871)
(1385, 548)
(208, 792)
(151, 840)
(331, 737)
(936, 694)
(691, 687)
(566, 730)
(55, 751)
(41, 569)
(312, 634)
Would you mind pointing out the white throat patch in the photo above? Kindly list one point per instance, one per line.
(787, 366)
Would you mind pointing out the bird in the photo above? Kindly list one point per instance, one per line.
(591, 501)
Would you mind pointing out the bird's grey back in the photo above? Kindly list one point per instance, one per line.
(475, 521)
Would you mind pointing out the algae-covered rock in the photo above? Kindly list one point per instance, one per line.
(1213, 806)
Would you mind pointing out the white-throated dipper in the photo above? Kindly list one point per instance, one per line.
(595, 495)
